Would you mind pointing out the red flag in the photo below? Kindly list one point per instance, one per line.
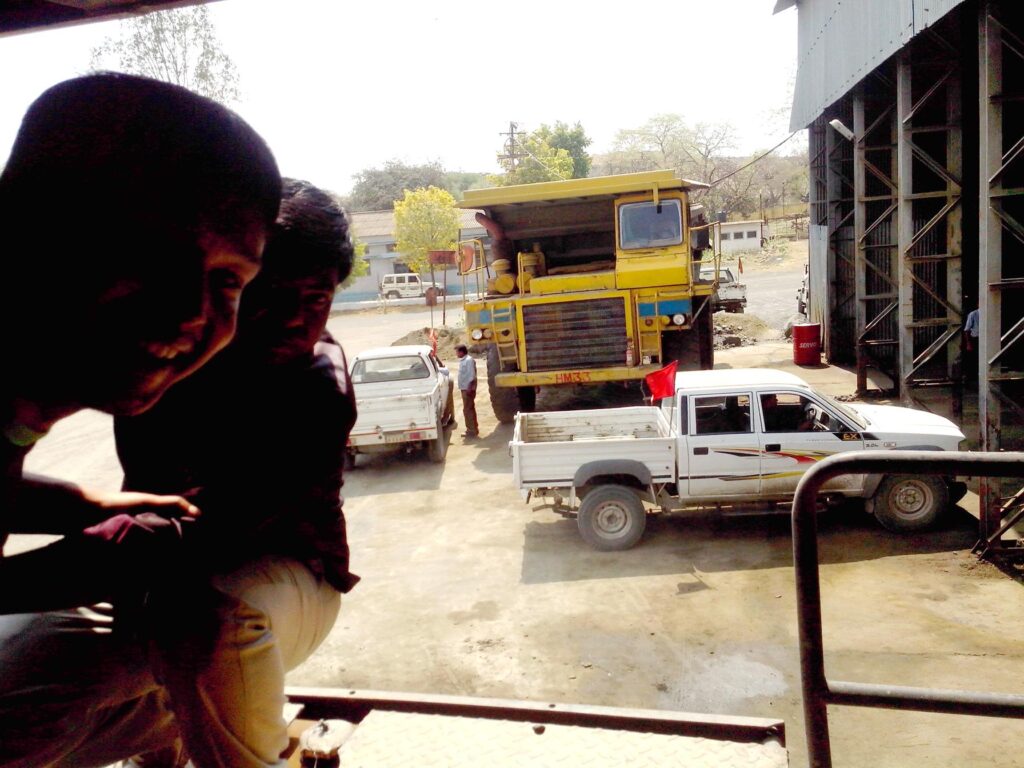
(739, 263)
(432, 337)
(662, 383)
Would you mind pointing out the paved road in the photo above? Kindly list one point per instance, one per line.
(771, 295)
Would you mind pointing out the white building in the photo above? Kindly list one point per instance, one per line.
(737, 236)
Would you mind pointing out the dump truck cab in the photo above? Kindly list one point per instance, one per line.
(588, 280)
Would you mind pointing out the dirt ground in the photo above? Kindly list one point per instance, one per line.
(468, 590)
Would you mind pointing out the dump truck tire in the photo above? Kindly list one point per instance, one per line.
(504, 400)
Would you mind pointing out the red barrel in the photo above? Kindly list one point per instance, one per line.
(807, 343)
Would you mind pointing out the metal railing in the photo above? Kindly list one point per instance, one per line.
(818, 691)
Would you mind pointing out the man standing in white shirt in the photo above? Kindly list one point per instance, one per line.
(467, 385)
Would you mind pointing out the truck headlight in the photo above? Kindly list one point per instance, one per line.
(678, 319)
(477, 334)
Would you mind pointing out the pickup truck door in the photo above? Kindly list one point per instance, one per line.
(796, 432)
(722, 449)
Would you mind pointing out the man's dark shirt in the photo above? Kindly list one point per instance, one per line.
(260, 450)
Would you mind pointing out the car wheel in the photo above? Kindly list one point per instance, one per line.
(392, 294)
(611, 518)
(905, 503)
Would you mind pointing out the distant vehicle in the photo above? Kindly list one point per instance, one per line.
(730, 295)
(405, 400)
(728, 438)
(408, 285)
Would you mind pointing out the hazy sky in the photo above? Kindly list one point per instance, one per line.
(336, 87)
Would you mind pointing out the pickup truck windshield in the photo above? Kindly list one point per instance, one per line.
(404, 368)
(650, 225)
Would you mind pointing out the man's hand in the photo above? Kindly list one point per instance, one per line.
(134, 503)
(47, 505)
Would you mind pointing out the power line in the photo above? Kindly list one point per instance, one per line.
(756, 159)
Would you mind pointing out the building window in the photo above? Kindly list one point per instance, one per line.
(737, 235)
(725, 235)
(390, 248)
(752, 233)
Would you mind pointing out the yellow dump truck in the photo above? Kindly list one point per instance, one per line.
(587, 280)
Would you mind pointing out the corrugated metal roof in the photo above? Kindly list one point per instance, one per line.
(841, 41)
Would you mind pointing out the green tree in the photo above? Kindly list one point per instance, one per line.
(425, 220)
(360, 266)
(177, 46)
(535, 161)
(573, 140)
(666, 141)
(377, 189)
(457, 182)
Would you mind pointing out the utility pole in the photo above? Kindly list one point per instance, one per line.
(513, 153)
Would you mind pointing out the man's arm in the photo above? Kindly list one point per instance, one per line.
(47, 505)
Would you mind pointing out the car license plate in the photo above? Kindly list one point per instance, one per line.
(394, 437)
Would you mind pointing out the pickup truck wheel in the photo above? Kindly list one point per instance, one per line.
(611, 518)
(350, 461)
(438, 448)
(906, 503)
(504, 400)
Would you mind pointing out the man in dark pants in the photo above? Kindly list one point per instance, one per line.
(467, 385)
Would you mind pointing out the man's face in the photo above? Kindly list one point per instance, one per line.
(158, 317)
(283, 316)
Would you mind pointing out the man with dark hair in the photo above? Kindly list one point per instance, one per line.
(256, 439)
(133, 213)
(467, 385)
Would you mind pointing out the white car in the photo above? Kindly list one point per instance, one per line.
(404, 399)
(403, 286)
(728, 438)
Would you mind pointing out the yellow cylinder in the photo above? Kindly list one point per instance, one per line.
(504, 283)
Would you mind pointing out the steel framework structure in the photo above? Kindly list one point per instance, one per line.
(904, 203)
(1000, 262)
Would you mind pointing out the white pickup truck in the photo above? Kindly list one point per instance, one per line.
(404, 400)
(731, 295)
(729, 438)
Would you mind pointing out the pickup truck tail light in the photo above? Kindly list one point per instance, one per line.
(679, 319)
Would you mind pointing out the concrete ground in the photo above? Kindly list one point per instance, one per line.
(467, 590)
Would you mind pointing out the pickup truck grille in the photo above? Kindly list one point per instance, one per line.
(575, 334)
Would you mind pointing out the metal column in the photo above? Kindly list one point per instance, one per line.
(842, 331)
(929, 150)
(875, 222)
(1000, 276)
